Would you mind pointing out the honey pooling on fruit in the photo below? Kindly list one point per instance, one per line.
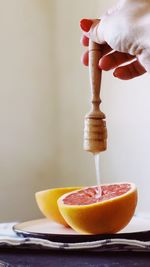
(89, 195)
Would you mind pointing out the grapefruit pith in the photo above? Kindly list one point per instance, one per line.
(47, 203)
(88, 213)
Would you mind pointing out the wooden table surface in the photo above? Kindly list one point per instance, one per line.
(24, 258)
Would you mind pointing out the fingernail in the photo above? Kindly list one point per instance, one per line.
(86, 24)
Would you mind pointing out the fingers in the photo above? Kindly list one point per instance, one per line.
(85, 58)
(105, 49)
(84, 40)
(114, 60)
(92, 30)
(86, 24)
(126, 72)
(129, 71)
(85, 55)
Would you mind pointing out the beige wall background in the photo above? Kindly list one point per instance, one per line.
(44, 95)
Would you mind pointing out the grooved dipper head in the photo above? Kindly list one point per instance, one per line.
(95, 135)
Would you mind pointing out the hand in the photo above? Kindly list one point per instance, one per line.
(124, 34)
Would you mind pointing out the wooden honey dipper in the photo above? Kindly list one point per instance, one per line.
(95, 132)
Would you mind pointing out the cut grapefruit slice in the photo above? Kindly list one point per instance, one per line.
(88, 213)
(47, 203)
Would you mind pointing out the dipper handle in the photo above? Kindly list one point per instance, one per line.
(95, 132)
(95, 75)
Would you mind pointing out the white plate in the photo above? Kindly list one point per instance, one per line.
(138, 229)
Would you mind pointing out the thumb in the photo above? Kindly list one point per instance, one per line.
(91, 29)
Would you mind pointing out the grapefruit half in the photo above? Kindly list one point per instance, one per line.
(88, 213)
(47, 203)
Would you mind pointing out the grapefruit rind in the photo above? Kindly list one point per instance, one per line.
(106, 217)
(47, 203)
